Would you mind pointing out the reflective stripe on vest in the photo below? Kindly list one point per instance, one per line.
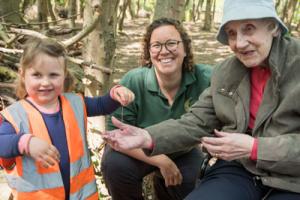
(30, 177)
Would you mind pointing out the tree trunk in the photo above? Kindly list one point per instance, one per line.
(99, 48)
(298, 21)
(42, 14)
(277, 4)
(131, 9)
(24, 5)
(284, 10)
(51, 11)
(169, 8)
(199, 9)
(72, 13)
(123, 14)
(193, 13)
(9, 11)
(292, 5)
(208, 16)
(79, 8)
(213, 13)
(138, 6)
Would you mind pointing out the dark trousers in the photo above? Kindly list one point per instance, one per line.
(123, 175)
(230, 181)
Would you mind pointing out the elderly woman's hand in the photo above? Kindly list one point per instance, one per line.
(127, 137)
(229, 146)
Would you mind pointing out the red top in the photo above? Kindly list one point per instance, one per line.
(259, 78)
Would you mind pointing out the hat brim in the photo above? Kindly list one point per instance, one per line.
(247, 14)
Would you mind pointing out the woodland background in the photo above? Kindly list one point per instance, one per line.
(103, 41)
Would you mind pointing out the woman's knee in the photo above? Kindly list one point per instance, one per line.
(120, 167)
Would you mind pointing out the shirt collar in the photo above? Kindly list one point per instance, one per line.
(152, 84)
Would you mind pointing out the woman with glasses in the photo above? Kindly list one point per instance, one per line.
(248, 119)
(165, 88)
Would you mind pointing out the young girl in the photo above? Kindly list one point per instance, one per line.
(43, 136)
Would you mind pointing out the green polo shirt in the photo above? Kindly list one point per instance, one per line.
(150, 105)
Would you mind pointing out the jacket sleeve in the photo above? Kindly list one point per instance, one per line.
(280, 154)
(178, 135)
(279, 149)
(100, 105)
(8, 140)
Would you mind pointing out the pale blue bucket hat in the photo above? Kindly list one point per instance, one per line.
(247, 9)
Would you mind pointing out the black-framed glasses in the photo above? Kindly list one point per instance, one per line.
(170, 45)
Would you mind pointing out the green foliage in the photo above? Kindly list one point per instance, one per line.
(61, 2)
(149, 5)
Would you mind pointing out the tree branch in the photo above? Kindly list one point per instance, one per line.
(28, 32)
(71, 59)
(13, 51)
(85, 31)
(91, 65)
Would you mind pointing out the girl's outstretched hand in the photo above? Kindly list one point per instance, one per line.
(127, 137)
(122, 94)
(43, 152)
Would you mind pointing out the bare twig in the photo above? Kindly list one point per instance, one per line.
(28, 32)
(12, 51)
(37, 23)
(71, 59)
(85, 31)
(91, 65)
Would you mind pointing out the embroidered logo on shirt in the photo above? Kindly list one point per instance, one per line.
(188, 103)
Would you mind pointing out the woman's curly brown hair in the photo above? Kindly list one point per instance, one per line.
(188, 61)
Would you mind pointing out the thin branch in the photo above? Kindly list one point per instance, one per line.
(28, 32)
(66, 43)
(91, 65)
(71, 59)
(13, 51)
(38, 23)
(85, 31)
(3, 34)
(10, 13)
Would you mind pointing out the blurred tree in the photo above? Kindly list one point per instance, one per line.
(43, 14)
(169, 8)
(208, 20)
(99, 48)
(289, 10)
(72, 13)
(199, 8)
(9, 12)
(123, 8)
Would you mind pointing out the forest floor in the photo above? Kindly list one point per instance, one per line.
(206, 50)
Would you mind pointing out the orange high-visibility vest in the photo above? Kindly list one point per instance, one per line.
(28, 179)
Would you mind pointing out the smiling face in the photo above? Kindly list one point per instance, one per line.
(44, 79)
(167, 62)
(250, 40)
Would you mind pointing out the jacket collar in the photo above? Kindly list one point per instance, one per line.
(277, 57)
(152, 84)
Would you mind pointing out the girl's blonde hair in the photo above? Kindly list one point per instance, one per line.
(32, 49)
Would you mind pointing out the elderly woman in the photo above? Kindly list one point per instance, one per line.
(252, 109)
